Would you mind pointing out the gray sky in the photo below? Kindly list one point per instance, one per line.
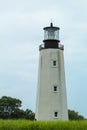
(21, 33)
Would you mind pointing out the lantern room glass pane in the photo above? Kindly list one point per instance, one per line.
(51, 34)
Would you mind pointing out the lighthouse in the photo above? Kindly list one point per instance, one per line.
(51, 102)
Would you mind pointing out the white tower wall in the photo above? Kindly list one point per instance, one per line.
(51, 90)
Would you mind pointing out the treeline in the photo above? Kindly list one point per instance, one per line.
(10, 108)
(75, 115)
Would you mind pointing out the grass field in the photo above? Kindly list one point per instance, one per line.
(38, 125)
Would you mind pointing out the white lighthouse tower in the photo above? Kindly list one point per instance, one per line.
(51, 101)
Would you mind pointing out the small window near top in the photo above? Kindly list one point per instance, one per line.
(55, 88)
(55, 114)
(54, 63)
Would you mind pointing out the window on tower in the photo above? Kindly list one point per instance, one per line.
(54, 63)
(55, 88)
(56, 114)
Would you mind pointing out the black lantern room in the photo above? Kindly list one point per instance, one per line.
(51, 38)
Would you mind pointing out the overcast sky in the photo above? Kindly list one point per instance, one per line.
(21, 33)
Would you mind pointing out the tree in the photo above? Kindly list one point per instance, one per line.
(74, 115)
(18, 114)
(29, 114)
(9, 104)
(10, 109)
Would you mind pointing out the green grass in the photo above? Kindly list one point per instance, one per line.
(39, 125)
